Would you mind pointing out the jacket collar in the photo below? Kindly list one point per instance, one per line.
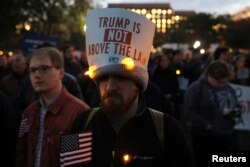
(59, 102)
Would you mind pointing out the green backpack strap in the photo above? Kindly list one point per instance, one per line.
(158, 119)
(91, 114)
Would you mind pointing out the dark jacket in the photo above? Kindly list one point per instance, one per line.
(137, 138)
(6, 129)
(58, 120)
(204, 107)
(167, 81)
(74, 69)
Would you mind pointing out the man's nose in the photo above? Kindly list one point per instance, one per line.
(111, 83)
(37, 73)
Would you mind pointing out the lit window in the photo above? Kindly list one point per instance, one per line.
(153, 11)
(177, 17)
(143, 11)
(170, 11)
(159, 11)
(168, 21)
(148, 15)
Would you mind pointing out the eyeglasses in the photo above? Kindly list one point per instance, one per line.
(43, 69)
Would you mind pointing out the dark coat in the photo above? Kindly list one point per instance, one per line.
(137, 138)
(6, 139)
(203, 107)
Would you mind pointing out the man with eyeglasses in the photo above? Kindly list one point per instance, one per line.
(46, 119)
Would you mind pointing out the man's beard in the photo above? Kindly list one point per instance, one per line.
(113, 103)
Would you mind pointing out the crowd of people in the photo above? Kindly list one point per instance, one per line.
(47, 94)
(204, 123)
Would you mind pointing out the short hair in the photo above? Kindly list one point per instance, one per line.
(20, 53)
(176, 52)
(53, 53)
(219, 51)
(218, 69)
(45, 44)
(67, 46)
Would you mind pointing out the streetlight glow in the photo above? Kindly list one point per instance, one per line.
(196, 44)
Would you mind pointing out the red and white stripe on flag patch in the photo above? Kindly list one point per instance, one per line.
(75, 149)
(24, 126)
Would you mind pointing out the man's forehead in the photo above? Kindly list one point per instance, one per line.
(44, 57)
(40, 59)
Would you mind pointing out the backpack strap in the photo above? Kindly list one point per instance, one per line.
(158, 119)
(90, 116)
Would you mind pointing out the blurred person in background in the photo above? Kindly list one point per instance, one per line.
(4, 68)
(242, 72)
(71, 61)
(212, 110)
(194, 67)
(10, 85)
(87, 85)
(7, 146)
(224, 54)
(165, 78)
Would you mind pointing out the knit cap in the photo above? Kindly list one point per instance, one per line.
(118, 42)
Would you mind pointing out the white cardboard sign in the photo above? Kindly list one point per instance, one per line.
(243, 95)
(113, 34)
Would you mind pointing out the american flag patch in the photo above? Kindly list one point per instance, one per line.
(24, 126)
(75, 149)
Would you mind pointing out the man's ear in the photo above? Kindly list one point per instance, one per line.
(62, 73)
